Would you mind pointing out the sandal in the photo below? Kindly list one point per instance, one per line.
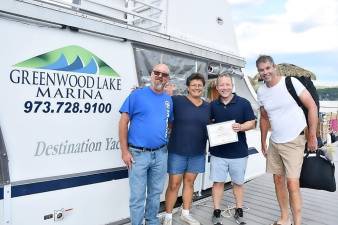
(276, 223)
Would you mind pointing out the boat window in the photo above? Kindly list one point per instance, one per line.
(180, 66)
(241, 87)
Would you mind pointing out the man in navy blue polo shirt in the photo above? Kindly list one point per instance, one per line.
(230, 158)
(147, 111)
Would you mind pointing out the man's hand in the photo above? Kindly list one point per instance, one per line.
(248, 125)
(264, 125)
(312, 144)
(264, 150)
(127, 159)
(123, 137)
(236, 127)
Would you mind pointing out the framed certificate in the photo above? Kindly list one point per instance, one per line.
(221, 133)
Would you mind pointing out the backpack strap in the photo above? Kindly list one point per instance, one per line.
(292, 91)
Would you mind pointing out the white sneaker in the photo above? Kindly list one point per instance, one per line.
(167, 221)
(189, 219)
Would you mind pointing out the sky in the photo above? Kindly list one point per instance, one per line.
(300, 32)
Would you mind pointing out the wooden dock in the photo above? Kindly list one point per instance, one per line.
(319, 207)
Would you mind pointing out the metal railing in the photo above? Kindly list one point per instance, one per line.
(148, 15)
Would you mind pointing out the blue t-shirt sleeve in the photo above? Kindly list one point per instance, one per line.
(211, 113)
(171, 115)
(128, 106)
(208, 105)
(248, 112)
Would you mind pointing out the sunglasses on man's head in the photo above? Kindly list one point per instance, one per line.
(158, 73)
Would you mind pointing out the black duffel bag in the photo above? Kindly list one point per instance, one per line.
(317, 172)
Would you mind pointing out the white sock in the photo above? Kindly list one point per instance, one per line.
(169, 215)
(185, 212)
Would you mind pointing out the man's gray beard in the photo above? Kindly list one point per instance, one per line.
(158, 87)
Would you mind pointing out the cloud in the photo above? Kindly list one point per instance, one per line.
(319, 12)
(239, 2)
(302, 27)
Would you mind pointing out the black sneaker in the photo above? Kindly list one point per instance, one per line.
(239, 216)
(216, 217)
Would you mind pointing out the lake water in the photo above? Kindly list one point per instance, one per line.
(328, 106)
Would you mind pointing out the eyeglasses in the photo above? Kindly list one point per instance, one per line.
(158, 73)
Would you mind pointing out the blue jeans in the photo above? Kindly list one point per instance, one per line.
(147, 174)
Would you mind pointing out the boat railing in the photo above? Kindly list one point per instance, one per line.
(145, 14)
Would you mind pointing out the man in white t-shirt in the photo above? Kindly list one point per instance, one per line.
(281, 113)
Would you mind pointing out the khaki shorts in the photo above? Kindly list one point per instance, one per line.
(286, 158)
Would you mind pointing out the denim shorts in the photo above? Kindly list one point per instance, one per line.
(220, 167)
(179, 164)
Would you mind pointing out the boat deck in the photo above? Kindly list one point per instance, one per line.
(319, 207)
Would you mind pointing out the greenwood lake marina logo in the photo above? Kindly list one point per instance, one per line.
(71, 58)
(63, 82)
(70, 72)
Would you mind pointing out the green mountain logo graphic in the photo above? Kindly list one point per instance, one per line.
(70, 58)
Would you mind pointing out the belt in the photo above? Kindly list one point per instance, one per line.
(144, 149)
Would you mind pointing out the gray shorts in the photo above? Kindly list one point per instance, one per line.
(220, 167)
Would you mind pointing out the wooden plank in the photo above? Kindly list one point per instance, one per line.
(319, 207)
